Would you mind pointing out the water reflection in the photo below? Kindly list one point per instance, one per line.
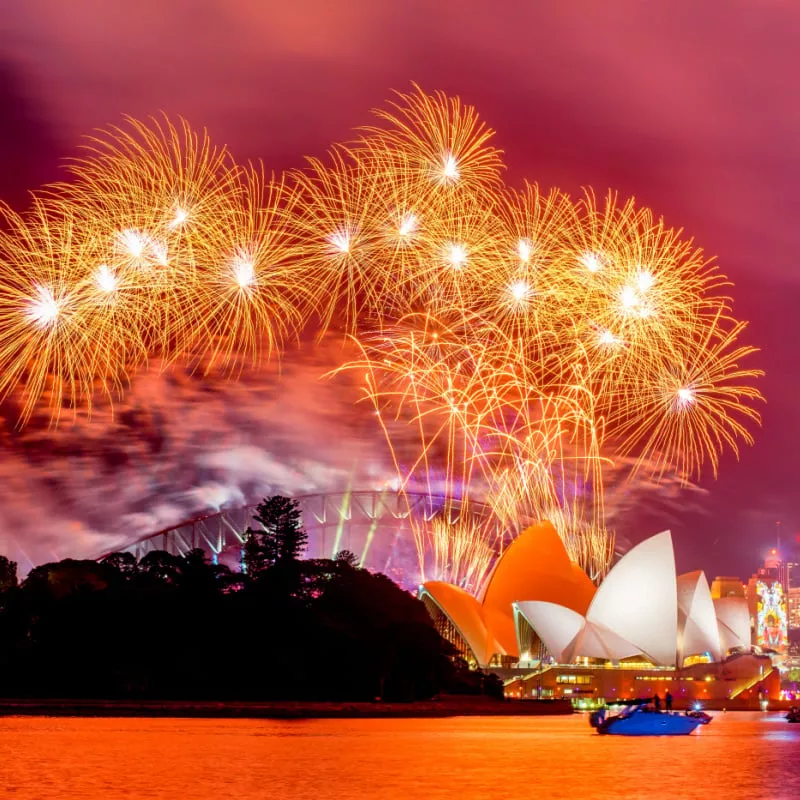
(737, 756)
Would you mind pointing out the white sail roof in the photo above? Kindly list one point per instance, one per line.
(557, 626)
(598, 641)
(733, 618)
(698, 631)
(638, 599)
(567, 634)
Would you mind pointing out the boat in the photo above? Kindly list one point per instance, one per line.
(794, 714)
(699, 714)
(639, 718)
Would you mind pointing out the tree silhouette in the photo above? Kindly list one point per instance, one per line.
(162, 566)
(168, 626)
(279, 539)
(8, 573)
(348, 558)
(125, 563)
(198, 574)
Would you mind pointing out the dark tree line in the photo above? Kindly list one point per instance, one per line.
(181, 627)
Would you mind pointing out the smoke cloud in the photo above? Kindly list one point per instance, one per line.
(180, 445)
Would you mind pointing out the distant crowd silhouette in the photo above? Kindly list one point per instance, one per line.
(667, 701)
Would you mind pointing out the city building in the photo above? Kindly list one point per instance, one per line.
(793, 602)
(545, 627)
(776, 567)
(727, 587)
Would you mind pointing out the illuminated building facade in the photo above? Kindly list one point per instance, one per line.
(793, 607)
(772, 624)
(768, 593)
(740, 680)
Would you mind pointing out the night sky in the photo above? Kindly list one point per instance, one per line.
(691, 107)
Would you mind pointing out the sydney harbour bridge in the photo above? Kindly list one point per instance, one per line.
(377, 526)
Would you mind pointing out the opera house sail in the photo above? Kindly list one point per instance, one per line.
(698, 629)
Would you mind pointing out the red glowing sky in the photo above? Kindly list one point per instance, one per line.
(691, 106)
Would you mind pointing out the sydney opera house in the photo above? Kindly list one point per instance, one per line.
(550, 632)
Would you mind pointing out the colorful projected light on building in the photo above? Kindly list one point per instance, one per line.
(772, 629)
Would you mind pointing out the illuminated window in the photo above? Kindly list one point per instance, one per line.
(580, 680)
(705, 658)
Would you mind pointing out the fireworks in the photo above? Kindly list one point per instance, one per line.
(515, 343)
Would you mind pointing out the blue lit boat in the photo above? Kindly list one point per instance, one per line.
(639, 719)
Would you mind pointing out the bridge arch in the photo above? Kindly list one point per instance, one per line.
(374, 525)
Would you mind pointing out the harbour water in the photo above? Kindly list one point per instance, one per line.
(738, 756)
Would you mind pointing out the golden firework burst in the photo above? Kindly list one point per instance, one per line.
(515, 343)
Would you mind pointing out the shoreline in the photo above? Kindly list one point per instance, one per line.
(188, 709)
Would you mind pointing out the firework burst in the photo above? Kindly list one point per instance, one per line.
(515, 343)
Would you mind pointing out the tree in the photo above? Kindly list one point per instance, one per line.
(162, 566)
(61, 578)
(125, 563)
(200, 574)
(280, 538)
(8, 574)
(347, 558)
(77, 629)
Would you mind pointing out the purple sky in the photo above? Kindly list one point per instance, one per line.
(692, 107)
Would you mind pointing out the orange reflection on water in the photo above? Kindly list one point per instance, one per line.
(738, 756)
